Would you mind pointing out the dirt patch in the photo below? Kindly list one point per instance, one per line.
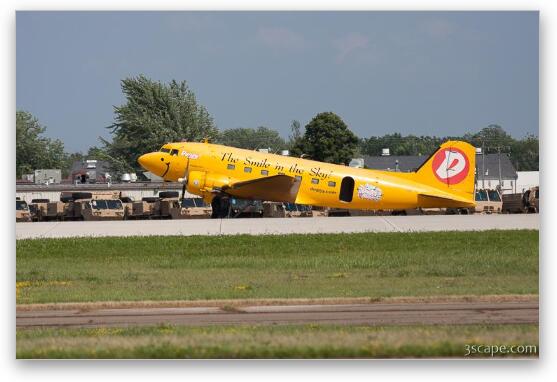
(232, 304)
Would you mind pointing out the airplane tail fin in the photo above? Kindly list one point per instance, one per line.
(451, 169)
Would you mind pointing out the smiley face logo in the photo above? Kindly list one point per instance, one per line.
(450, 165)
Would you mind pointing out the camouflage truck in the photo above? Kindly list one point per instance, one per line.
(293, 210)
(532, 200)
(127, 203)
(147, 208)
(244, 208)
(273, 210)
(38, 208)
(528, 201)
(190, 208)
(22, 213)
(488, 202)
(93, 206)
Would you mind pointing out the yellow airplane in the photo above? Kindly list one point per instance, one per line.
(216, 172)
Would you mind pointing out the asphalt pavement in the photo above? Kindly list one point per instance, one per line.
(277, 226)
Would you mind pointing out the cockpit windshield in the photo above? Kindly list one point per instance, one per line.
(164, 150)
(20, 205)
(494, 196)
(481, 196)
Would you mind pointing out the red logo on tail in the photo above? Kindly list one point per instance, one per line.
(450, 165)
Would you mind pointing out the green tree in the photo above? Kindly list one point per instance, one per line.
(492, 138)
(525, 153)
(248, 138)
(34, 151)
(400, 145)
(154, 114)
(328, 139)
(295, 138)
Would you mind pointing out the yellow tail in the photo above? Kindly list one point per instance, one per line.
(451, 169)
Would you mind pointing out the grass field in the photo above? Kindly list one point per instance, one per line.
(312, 266)
(308, 341)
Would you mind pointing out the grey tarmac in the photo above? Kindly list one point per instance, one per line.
(520, 312)
(277, 226)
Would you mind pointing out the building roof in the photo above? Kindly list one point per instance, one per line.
(80, 167)
(409, 163)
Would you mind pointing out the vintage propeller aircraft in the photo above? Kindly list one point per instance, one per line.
(216, 172)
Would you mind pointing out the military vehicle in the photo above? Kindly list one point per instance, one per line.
(243, 208)
(190, 208)
(532, 199)
(488, 202)
(528, 201)
(293, 210)
(92, 206)
(273, 210)
(38, 208)
(127, 203)
(22, 213)
(147, 208)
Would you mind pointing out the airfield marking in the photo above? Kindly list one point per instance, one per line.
(277, 226)
(343, 314)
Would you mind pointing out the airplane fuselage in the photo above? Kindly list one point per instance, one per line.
(211, 168)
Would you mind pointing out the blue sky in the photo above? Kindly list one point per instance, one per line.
(422, 73)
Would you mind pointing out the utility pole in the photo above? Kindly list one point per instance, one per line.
(483, 165)
(499, 158)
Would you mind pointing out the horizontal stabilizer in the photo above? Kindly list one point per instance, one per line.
(436, 201)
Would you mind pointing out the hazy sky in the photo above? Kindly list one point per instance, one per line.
(423, 73)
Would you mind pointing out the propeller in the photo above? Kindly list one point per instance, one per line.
(184, 180)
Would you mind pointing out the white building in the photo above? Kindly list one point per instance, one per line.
(527, 180)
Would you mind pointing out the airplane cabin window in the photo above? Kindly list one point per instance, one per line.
(314, 180)
(230, 167)
(265, 172)
(247, 169)
(332, 184)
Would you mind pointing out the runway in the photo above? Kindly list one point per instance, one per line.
(277, 226)
(344, 314)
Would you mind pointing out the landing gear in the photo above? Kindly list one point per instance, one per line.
(221, 207)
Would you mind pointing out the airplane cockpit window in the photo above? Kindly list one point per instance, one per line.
(174, 152)
(165, 150)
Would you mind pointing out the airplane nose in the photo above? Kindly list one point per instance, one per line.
(142, 160)
(150, 162)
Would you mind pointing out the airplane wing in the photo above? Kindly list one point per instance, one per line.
(277, 188)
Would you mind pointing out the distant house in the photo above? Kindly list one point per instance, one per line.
(89, 171)
(487, 173)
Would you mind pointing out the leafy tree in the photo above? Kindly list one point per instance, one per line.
(295, 138)
(154, 114)
(247, 138)
(491, 138)
(328, 139)
(34, 151)
(525, 154)
(399, 145)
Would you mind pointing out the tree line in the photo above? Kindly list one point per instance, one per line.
(156, 113)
